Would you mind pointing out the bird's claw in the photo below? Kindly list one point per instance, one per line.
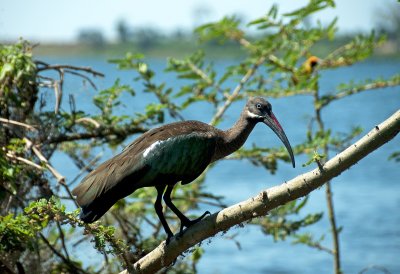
(202, 216)
(188, 223)
(185, 224)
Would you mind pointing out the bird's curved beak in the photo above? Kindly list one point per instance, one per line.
(271, 121)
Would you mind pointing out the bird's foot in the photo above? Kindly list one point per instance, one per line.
(169, 236)
(188, 223)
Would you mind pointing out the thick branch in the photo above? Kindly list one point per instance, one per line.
(269, 199)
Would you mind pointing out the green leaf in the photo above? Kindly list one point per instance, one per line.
(395, 156)
(6, 69)
(197, 254)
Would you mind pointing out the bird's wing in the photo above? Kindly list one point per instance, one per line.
(179, 158)
(174, 152)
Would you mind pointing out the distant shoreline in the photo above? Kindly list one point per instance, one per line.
(182, 48)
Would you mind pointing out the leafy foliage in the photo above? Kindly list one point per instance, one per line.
(280, 225)
(16, 69)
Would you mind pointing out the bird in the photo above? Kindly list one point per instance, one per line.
(306, 70)
(164, 156)
(310, 64)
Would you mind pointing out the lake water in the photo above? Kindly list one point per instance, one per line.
(366, 197)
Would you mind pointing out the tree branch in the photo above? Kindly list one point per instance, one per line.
(257, 206)
(99, 133)
(60, 178)
(12, 122)
(46, 66)
(236, 91)
(395, 81)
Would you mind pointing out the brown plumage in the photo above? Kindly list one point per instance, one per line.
(164, 156)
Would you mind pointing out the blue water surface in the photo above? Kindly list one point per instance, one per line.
(366, 197)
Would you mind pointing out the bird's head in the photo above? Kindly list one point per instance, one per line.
(311, 63)
(260, 110)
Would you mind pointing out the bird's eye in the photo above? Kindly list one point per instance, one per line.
(258, 106)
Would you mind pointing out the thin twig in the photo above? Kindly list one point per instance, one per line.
(329, 98)
(58, 67)
(82, 76)
(95, 134)
(278, 63)
(26, 161)
(62, 237)
(12, 122)
(320, 247)
(70, 194)
(200, 73)
(72, 266)
(88, 120)
(81, 240)
(236, 91)
(86, 168)
(38, 153)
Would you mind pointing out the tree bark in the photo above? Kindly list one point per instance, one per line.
(257, 206)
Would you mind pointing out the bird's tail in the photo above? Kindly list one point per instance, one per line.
(93, 199)
(101, 189)
(92, 213)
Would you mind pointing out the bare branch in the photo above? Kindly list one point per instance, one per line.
(86, 168)
(73, 267)
(101, 133)
(62, 237)
(23, 160)
(82, 76)
(236, 91)
(204, 76)
(163, 255)
(375, 85)
(12, 122)
(38, 153)
(320, 247)
(200, 73)
(46, 66)
(88, 120)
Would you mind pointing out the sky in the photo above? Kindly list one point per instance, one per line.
(61, 20)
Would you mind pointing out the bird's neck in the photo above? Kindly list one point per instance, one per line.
(233, 138)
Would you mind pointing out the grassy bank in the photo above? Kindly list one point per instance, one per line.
(160, 50)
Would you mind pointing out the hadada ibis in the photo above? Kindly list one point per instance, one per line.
(164, 156)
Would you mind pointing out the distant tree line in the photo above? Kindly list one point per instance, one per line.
(143, 37)
(387, 21)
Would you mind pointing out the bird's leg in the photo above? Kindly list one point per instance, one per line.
(185, 221)
(158, 208)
